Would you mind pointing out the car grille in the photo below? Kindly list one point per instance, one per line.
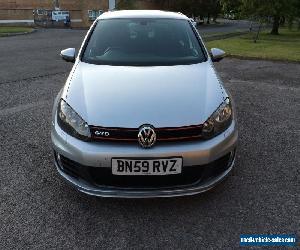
(162, 134)
(102, 177)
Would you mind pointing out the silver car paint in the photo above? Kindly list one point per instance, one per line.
(132, 193)
(195, 153)
(191, 93)
(108, 95)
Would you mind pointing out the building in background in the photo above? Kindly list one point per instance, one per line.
(82, 12)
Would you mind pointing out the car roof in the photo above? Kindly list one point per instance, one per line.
(142, 14)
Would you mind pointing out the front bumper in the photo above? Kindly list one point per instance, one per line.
(195, 154)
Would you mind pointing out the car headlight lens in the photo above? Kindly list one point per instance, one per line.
(71, 122)
(219, 121)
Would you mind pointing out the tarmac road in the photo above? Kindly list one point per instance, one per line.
(38, 210)
(226, 26)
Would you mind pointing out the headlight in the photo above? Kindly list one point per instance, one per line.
(71, 122)
(219, 121)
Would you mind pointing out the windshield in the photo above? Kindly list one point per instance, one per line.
(143, 42)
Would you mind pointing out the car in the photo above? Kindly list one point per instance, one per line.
(193, 22)
(58, 15)
(143, 112)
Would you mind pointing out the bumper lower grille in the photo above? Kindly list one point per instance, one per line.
(103, 176)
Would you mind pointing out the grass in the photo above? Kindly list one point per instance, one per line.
(203, 34)
(10, 30)
(285, 46)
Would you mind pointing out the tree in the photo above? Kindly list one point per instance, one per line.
(276, 9)
(231, 5)
(294, 14)
(215, 8)
(192, 7)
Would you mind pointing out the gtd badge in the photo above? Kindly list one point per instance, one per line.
(101, 133)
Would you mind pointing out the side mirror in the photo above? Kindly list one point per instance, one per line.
(68, 55)
(217, 54)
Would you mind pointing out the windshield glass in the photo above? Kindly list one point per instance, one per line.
(143, 42)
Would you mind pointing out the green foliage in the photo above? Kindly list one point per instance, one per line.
(263, 10)
(268, 7)
(192, 7)
(231, 5)
(11, 30)
(263, 7)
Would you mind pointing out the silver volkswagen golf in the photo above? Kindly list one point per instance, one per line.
(143, 112)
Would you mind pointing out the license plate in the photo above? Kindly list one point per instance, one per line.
(167, 166)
